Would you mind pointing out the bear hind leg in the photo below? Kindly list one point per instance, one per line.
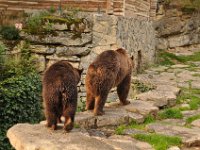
(69, 113)
(90, 102)
(99, 104)
(51, 118)
(123, 89)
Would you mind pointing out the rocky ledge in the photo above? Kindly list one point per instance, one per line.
(38, 137)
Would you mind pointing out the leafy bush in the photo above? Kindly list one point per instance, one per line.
(16, 65)
(9, 33)
(20, 88)
(34, 23)
(20, 102)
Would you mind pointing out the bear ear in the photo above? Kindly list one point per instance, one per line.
(132, 58)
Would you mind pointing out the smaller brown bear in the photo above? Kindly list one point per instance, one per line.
(59, 91)
(110, 69)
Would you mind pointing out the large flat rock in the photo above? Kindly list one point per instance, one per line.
(38, 137)
(159, 98)
(113, 116)
(137, 106)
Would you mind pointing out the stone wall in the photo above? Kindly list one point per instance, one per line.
(101, 33)
(177, 31)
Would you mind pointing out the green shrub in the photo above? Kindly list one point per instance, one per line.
(20, 93)
(20, 102)
(14, 66)
(2, 52)
(34, 24)
(9, 33)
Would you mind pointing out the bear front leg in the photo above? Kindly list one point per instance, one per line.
(123, 89)
(99, 104)
(90, 101)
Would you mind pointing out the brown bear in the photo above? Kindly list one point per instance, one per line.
(111, 68)
(59, 91)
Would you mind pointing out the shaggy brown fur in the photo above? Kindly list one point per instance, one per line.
(110, 69)
(59, 93)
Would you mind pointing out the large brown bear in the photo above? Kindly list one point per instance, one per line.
(59, 91)
(111, 68)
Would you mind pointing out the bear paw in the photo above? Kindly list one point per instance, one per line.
(68, 127)
(99, 113)
(125, 102)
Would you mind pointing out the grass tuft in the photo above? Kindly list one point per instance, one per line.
(191, 95)
(171, 113)
(120, 129)
(134, 125)
(192, 118)
(159, 141)
(167, 59)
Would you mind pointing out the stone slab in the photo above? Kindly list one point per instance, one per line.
(38, 137)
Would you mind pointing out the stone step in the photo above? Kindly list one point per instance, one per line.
(38, 137)
(137, 106)
(159, 98)
(189, 136)
(112, 117)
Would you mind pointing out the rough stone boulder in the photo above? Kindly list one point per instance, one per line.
(162, 95)
(38, 137)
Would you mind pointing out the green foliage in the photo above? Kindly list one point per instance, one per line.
(171, 113)
(192, 118)
(34, 23)
(81, 106)
(196, 75)
(19, 65)
(141, 87)
(120, 129)
(159, 141)
(42, 23)
(9, 33)
(190, 95)
(2, 52)
(134, 125)
(187, 6)
(52, 9)
(194, 57)
(147, 120)
(194, 102)
(20, 102)
(20, 89)
(190, 6)
(167, 59)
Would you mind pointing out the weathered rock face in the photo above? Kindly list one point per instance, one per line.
(38, 137)
(176, 30)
